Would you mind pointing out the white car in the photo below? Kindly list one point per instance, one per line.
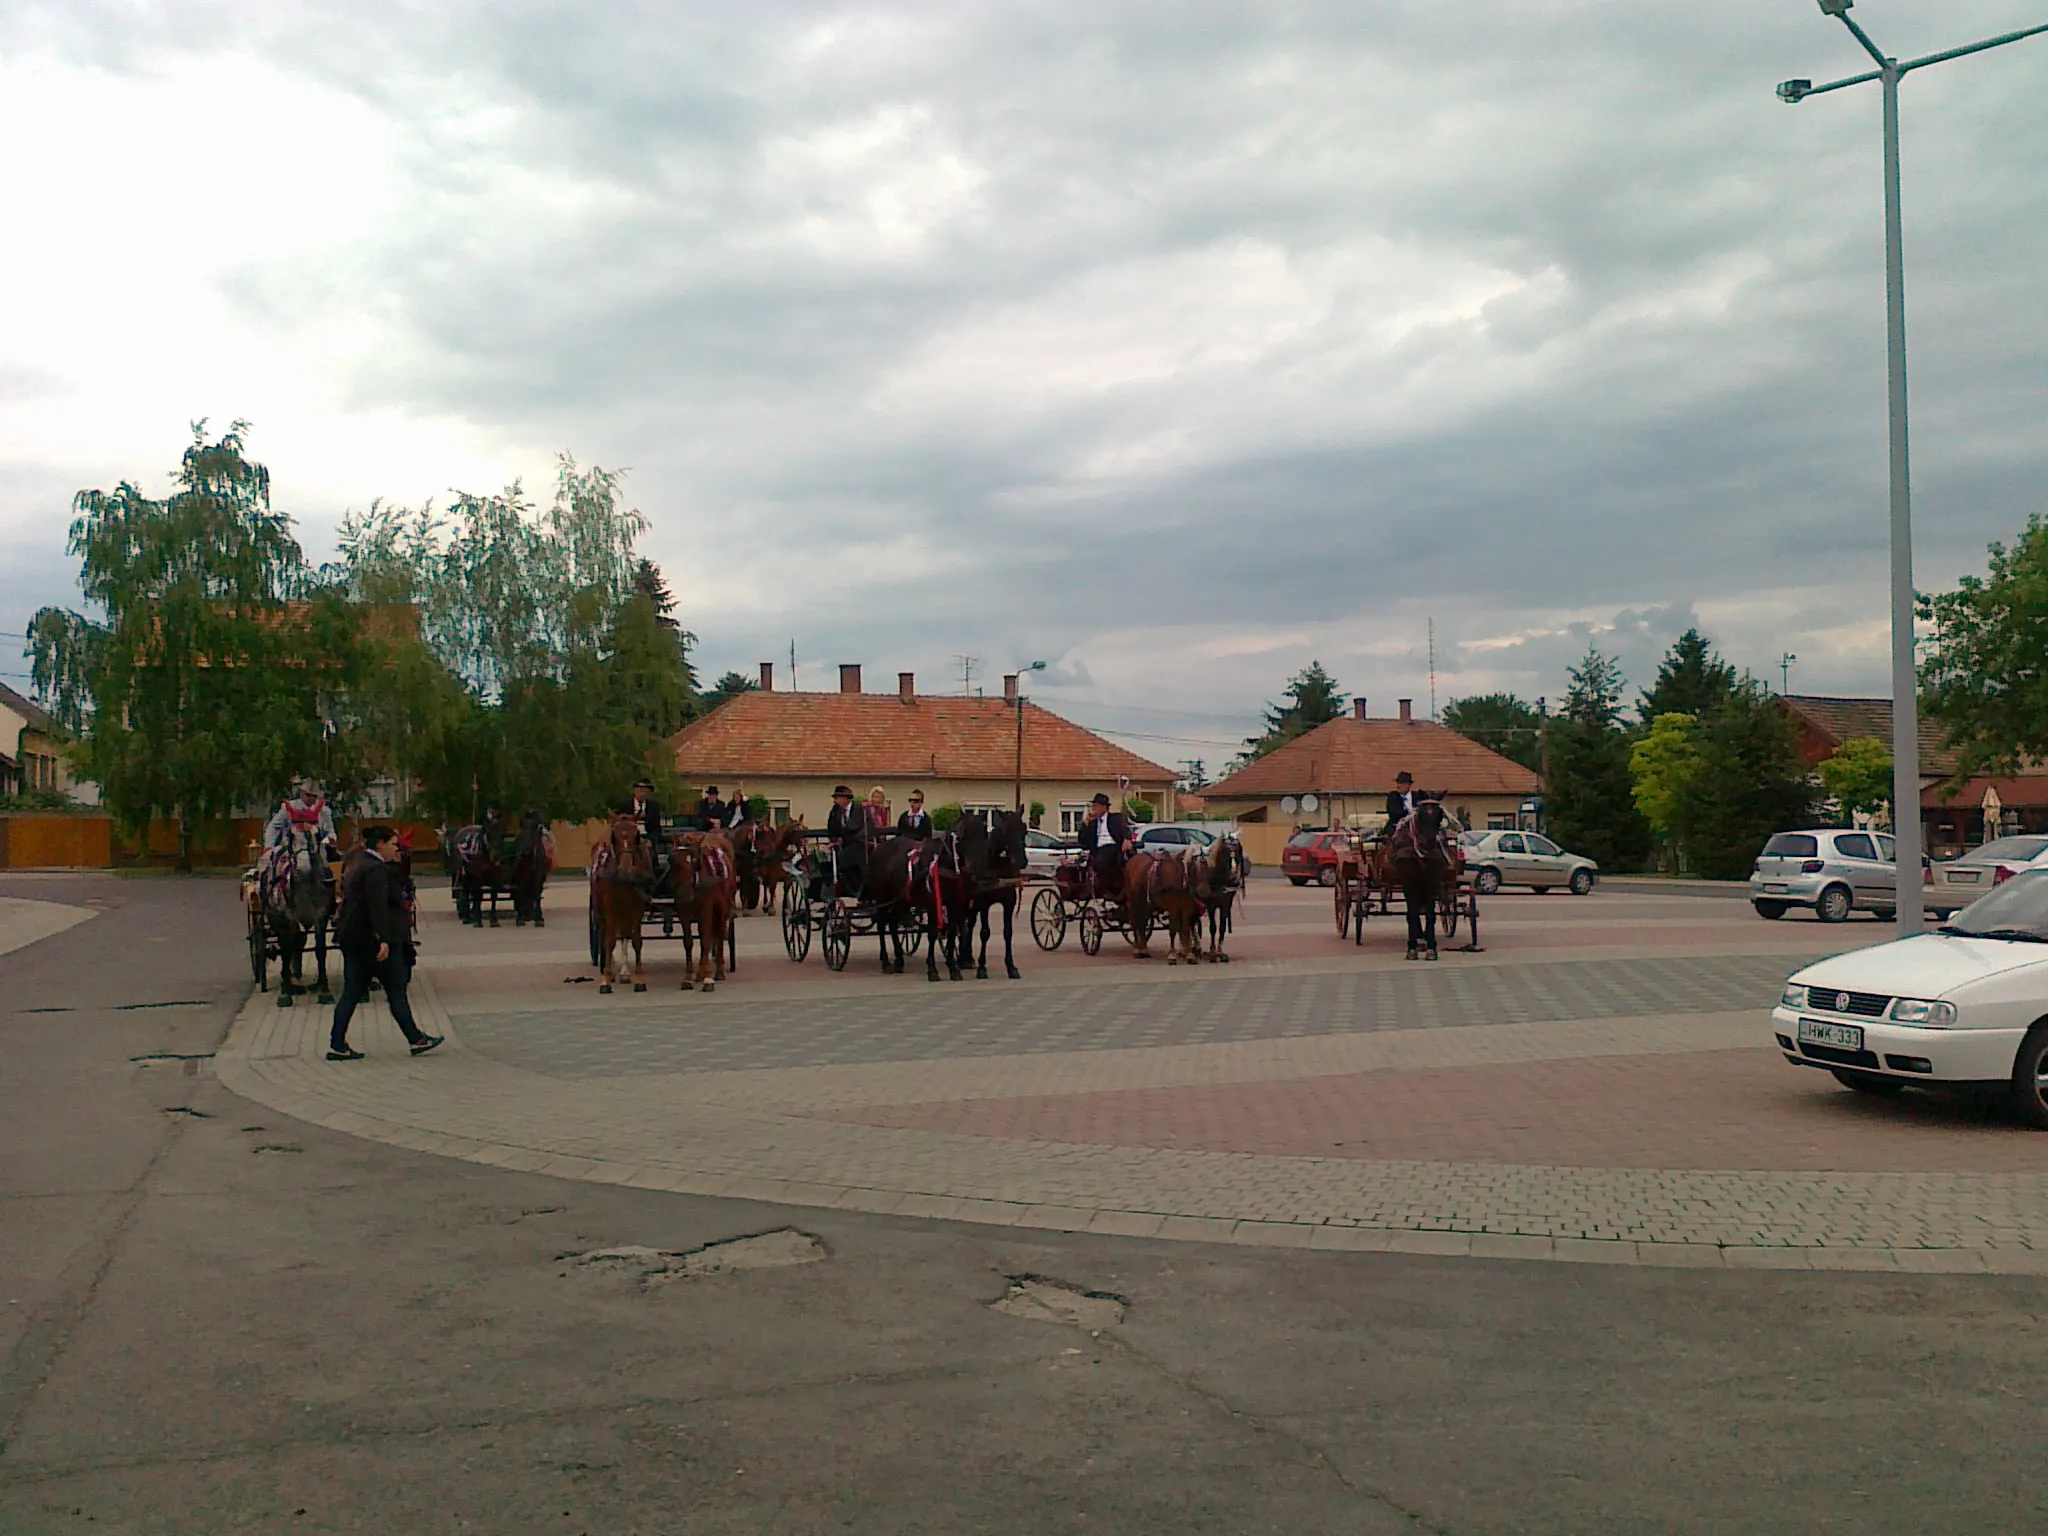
(1967, 1003)
(1180, 836)
(1043, 852)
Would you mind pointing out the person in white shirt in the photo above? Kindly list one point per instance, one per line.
(1106, 835)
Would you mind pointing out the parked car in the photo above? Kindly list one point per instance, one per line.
(1954, 883)
(1833, 872)
(1495, 859)
(1173, 836)
(1313, 856)
(1963, 1004)
(1043, 852)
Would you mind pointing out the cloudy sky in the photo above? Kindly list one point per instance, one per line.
(1173, 344)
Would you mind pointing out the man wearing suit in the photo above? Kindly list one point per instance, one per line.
(1106, 838)
(710, 810)
(847, 825)
(646, 810)
(917, 821)
(1400, 799)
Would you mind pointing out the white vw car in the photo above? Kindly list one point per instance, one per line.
(1967, 1003)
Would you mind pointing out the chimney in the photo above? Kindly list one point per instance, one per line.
(1358, 708)
(1009, 687)
(767, 677)
(1407, 711)
(906, 687)
(849, 677)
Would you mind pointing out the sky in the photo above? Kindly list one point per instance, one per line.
(1173, 345)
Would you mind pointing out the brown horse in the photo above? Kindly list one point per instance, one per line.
(1219, 876)
(704, 878)
(1420, 859)
(619, 875)
(774, 868)
(1157, 889)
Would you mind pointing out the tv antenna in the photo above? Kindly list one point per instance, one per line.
(1432, 669)
(968, 664)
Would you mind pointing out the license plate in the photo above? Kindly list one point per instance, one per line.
(1775, 890)
(1963, 876)
(1847, 1037)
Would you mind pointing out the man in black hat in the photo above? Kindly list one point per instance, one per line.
(847, 824)
(647, 811)
(1106, 839)
(1400, 799)
(710, 810)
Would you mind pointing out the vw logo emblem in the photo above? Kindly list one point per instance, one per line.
(1841, 1002)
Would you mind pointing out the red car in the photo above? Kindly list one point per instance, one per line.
(1313, 856)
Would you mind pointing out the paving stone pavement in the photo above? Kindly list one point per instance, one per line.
(747, 1098)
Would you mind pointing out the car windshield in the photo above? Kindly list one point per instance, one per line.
(2016, 910)
(2012, 850)
(1793, 845)
(1302, 840)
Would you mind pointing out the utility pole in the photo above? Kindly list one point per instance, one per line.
(1785, 674)
(792, 664)
(1432, 669)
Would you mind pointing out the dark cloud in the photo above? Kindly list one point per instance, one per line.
(1101, 333)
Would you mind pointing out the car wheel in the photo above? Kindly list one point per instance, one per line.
(2030, 1078)
(1486, 882)
(1328, 876)
(1833, 906)
(1297, 879)
(1868, 1082)
(1770, 909)
(1582, 881)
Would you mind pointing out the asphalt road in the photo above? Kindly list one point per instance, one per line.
(219, 1321)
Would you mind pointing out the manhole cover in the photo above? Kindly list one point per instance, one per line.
(779, 1249)
(1039, 1300)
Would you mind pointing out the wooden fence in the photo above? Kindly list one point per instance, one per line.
(55, 840)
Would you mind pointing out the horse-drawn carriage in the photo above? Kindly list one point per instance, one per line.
(665, 912)
(1075, 899)
(1371, 873)
(488, 859)
(815, 904)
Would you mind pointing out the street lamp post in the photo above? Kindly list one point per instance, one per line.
(1036, 666)
(1905, 673)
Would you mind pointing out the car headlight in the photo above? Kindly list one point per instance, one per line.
(1794, 996)
(1912, 1010)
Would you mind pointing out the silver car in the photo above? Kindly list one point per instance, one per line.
(1833, 872)
(1953, 884)
(1043, 853)
(1495, 859)
(1181, 836)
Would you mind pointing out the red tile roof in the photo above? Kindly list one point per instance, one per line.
(2025, 792)
(1834, 721)
(1350, 756)
(878, 736)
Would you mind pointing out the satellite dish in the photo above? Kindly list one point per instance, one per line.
(1311, 803)
(1289, 805)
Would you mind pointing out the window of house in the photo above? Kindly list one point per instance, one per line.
(778, 812)
(1071, 817)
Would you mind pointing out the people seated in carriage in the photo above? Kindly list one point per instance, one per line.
(735, 810)
(646, 810)
(710, 810)
(847, 825)
(307, 809)
(878, 811)
(915, 822)
(1106, 838)
(1401, 799)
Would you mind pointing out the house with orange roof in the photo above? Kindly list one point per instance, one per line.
(791, 748)
(1348, 765)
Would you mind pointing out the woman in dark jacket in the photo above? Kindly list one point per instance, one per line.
(375, 939)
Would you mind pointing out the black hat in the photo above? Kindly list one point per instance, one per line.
(1404, 777)
(1100, 799)
(841, 789)
(646, 784)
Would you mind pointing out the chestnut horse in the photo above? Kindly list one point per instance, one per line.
(703, 878)
(1158, 888)
(1219, 878)
(619, 873)
(781, 842)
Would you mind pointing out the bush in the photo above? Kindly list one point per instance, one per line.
(1141, 811)
(946, 817)
(758, 807)
(1037, 812)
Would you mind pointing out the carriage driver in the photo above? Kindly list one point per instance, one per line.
(847, 825)
(308, 810)
(1400, 799)
(646, 810)
(1106, 835)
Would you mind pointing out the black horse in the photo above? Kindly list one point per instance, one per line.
(533, 859)
(1420, 860)
(479, 868)
(993, 861)
(912, 881)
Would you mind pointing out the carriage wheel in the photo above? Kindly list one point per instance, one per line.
(792, 919)
(1447, 913)
(596, 938)
(1048, 919)
(1345, 898)
(259, 954)
(1358, 917)
(1091, 930)
(802, 926)
(838, 939)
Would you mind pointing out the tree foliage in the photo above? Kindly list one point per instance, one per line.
(1748, 782)
(1311, 698)
(1985, 674)
(1691, 680)
(1663, 764)
(1589, 796)
(1859, 775)
(729, 687)
(1500, 722)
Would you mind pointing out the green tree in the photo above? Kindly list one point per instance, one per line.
(730, 687)
(198, 692)
(1747, 784)
(1663, 764)
(1589, 796)
(1984, 678)
(1194, 775)
(1311, 698)
(1501, 723)
(1691, 680)
(1859, 775)
(1139, 809)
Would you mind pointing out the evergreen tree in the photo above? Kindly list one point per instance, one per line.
(1312, 698)
(1589, 795)
(1501, 723)
(730, 687)
(1747, 782)
(1691, 680)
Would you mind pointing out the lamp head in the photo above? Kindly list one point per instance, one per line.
(1036, 666)
(1835, 7)
(1792, 92)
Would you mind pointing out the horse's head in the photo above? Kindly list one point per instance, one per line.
(630, 855)
(1006, 846)
(1429, 819)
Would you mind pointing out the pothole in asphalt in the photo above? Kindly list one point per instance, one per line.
(1040, 1300)
(188, 1112)
(779, 1249)
(168, 1058)
(274, 1147)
